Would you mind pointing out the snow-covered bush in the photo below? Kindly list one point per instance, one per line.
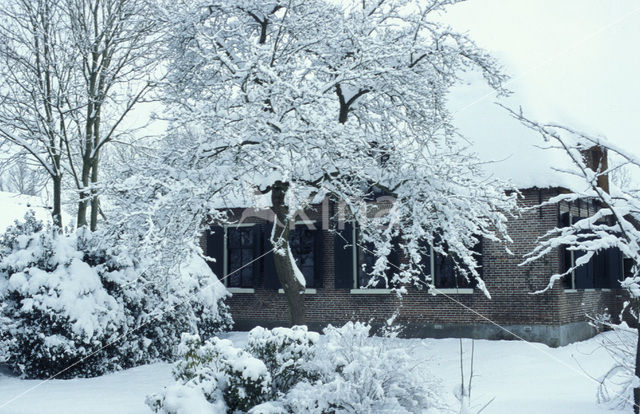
(344, 371)
(60, 310)
(361, 374)
(287, 353)
(190, 299)
(213, 376)
(75, 304)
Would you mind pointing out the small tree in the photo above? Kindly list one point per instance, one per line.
(300, 100)
(116, 41)
(615, 224)
(20, 175)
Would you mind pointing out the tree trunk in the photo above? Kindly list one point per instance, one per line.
(636, 391)
(85, 195)
(95, 201)
(87, 155)
(293, 290)
(56, 214)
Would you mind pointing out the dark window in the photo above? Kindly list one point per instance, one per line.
(343, 256)
(425, 267)
(599, 263)
(241, 246)
(446, 275)
(306, 244)
(627, 268)
(215, 250)
(565, 265)
(301, 241)
(584, 273)
(366, 260)
(603, 270)
(566, 259)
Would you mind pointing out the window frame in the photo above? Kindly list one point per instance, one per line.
(355, 288)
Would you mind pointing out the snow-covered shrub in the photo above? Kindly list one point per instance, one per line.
(7, 342)
(213, 376)
(344, 371)
(58, 305)
(287, 353)
(190, 301)
(76, 304)
(361, 375)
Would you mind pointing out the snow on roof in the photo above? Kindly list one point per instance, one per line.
(14, 206)
(512, 151)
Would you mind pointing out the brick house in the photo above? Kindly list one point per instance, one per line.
(334, 272)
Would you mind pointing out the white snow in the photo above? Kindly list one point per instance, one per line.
(523, 378)
(72, 289)
(14, 206)
(512, 152)
(568, 62)
(123, 392)
(186, 400)
(296, 271)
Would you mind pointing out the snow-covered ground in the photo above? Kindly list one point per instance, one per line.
(519, 377)
(14, 206)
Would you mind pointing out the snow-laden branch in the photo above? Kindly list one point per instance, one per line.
(616, 224)
(318, 99)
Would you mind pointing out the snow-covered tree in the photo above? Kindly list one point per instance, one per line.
(70, 73)
(116, 41)
(616, 224)
(300, 100)
(35, 80)
(19, 174)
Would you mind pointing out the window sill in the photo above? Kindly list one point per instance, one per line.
(452, 291)
(370, 291)
(309, 291)
(588, 290)
(241, 290)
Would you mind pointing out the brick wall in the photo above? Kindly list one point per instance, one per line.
(510, 285)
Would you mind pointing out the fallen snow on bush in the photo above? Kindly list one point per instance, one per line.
(356, 373)
(78, 303)
(212, 376)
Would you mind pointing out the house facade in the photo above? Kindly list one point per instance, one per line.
(335, 269)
